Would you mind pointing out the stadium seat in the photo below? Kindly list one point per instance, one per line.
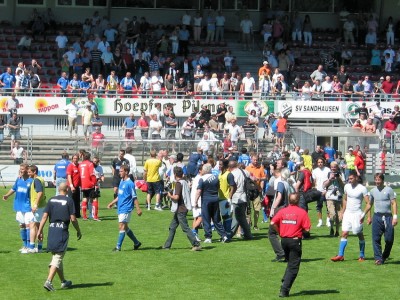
(10, 39)
(12, 47)
(41, 72)
(19, 31)
(8, 31)
(47, 55)
(26, 55)
(37, 55)
(51, 72)
(6, 62)
(43, 47)
(49, 64)
(14, 55)
(3, 54)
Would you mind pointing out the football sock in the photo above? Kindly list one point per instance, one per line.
(31, 246)
(342, 246)
(28, 236)
(132, 236)
(40, 245)
(84, 209)
(362, 248)
(95, 209)
(120, 239)
(22, 232)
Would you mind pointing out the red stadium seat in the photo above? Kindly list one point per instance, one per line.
(49, 64)
(3, 54)
(14, 55)
(51, 72)
(12, 47)
(37, 55)
(6, 62)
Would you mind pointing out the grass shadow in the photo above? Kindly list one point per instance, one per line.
(306, 260)
(314, 292)
(108, 218)
(5, 251)
(91, 285)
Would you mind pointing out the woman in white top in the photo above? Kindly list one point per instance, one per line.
(306, 91)
(215, 87)
(174, 42)
(99, 85)
(277, 74)
(390, 32)
(197, 20)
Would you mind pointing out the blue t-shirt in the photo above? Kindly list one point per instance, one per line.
(209, 186)
(331, 153)
(75, 84)
(63, 82)
(126, 196)
(21, 187)
(129, 123)
(61, 168)
(127, 83)
(84, 85)
(7, 79)
(245, 159)
(291, 165)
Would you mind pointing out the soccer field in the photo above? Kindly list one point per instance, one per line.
(237, 270)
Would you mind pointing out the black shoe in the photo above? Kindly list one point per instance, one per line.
(283, 294)
(336, 234)
(137, 246)
(331, 233)
(116, 249)
(279, 259)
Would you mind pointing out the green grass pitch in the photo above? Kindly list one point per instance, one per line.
(238, 270)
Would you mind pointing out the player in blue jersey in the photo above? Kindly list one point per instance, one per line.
(330, 153)
(22, 204)
(125, 200)
(60, 171)
(244, 158)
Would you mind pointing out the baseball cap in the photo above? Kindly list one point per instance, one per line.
(382, 78)
(301, 151)
(350, 149)
(265, 62)
(173, 156)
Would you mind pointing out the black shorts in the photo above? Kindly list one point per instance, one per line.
(155, 187)
(116, 181)
(87, 193)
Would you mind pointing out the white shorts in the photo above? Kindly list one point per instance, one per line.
(37, 216)
(351, 222)
(124, 218)
(196, 212)
(23, 217)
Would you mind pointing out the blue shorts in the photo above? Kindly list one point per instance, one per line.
(280, 135)
(154, 187)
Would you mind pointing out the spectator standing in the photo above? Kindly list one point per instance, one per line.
(246, 26)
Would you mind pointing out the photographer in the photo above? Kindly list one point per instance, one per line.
(334, 186)
(180, 197)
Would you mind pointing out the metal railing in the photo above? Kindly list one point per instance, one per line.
(55, 91)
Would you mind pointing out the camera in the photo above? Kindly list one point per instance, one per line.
(337, 175)
(335, 191)
(168, 187)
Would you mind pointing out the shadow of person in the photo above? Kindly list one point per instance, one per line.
(90, 285)
(314, 292)
(306, 260)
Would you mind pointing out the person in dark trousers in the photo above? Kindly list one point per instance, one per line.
(208, 190)
(74, 183)
(383, 221)
(60, 211)
(291, 222)
(180, 210)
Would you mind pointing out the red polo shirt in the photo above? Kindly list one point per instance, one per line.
(387, 86)
(291, 221)
(73, 170)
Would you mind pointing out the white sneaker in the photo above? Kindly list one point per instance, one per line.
(66, 284)
(207, 241)
(22, 249)
(148, 207)
(319, 223)
(34, 250)
(158, 207)
(25, 251)
(328, 222)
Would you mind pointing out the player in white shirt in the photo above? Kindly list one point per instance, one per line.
(320, 175)
(352, 215)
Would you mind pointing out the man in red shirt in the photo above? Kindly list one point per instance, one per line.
(97, 140)
(291, 222)
(74, 182)
(387, 87)
(88, 183)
